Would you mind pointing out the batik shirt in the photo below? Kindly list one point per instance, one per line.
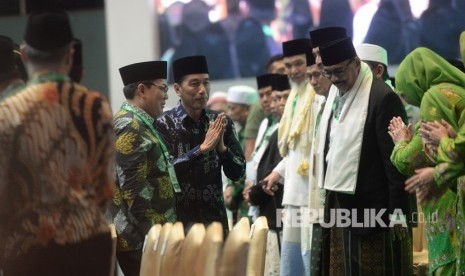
(13, 88)
(199, 174)
(56, 165)
(144, 195)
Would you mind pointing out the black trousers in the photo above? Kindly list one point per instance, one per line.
(90, 257)
(129, 262)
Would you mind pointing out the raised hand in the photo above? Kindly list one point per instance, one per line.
(399, 131)
(220, 147)
(213, 135)
(450, 130)
(433, 132)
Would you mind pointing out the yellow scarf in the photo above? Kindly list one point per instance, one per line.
(296, 124)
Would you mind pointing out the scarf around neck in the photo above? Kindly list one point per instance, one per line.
(346, 145)
(295, 127)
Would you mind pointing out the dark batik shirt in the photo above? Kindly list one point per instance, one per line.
(144, 194)
(199, 174)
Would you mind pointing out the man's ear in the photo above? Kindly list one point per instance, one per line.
(177, 89)
(379, 70)
(69, 57)
(24, 57)
(141, 88)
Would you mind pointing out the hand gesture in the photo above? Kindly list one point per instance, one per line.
(270, 183)
(220, 147)
(214, 133)
(433, 132)
(246, 191)
(227, 194)
(399, 131)
(423, 184)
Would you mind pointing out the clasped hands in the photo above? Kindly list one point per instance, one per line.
(422, 183)
(399, 131)
(214, 136)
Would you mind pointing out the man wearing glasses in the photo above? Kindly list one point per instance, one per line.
(146, 183)
(356, 170)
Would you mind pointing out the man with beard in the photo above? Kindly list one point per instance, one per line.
(294, 141)
(202, 142)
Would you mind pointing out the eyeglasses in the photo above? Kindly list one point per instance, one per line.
(162, 87)
(339, 72)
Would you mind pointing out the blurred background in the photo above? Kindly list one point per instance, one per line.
(237, 36)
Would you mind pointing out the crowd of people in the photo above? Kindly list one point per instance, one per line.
(330, 149)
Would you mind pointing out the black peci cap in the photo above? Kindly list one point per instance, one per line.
(48, 30)
(264, 80)
(280, 83)
(337, 51)
(323, 36)
(189, 65)
(296, 47)
(143, 71)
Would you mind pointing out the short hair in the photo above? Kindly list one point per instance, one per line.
(40, 57)
(130, 89)
(272, 60)
(179, 80)
(373, 64)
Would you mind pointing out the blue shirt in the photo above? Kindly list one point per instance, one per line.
(199, 175)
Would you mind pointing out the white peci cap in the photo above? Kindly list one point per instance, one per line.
(371, 52)
(242, 94)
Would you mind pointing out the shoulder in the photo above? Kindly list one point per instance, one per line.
(169, 121)
(319, 99)
(124, 120)
(256, 111)
(170, 115)
(380, 88)
(92, 103)
(380, 93)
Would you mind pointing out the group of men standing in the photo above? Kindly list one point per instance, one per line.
(336, 164)
(332, 138)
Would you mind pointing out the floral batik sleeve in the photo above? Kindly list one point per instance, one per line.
(408, 156)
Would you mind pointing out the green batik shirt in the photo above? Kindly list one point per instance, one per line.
(427, 80)
(144, 194)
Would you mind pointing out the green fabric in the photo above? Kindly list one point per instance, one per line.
(426, 80)
(241, 138)
(421, 70)
(254, 119)
(408, 156)
(424, 77)
(460, 221)
(440, 231)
